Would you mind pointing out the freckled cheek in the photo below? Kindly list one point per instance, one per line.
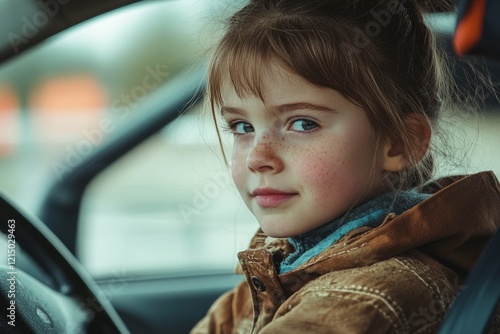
(328, 174)
(320, 175)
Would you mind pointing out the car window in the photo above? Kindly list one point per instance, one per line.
(62, 99)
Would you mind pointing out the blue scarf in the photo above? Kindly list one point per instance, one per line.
(371, 213)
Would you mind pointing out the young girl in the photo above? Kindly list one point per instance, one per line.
(332, 104)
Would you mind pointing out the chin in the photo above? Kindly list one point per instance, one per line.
(277, 232)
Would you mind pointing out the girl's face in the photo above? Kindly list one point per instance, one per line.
(302, 156)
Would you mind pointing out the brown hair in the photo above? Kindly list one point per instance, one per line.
(378, 53)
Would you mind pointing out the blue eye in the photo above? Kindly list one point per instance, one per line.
(241, 128)
(303, 125)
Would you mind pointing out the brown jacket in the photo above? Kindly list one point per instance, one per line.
(397, 278)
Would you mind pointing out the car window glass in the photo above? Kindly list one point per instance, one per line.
(62, 99)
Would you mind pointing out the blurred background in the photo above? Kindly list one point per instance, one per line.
(169, 205)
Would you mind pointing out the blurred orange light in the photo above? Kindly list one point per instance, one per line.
(67, 94)
(9, 119)
(65, 106)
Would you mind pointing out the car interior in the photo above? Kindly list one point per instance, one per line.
(58, 289)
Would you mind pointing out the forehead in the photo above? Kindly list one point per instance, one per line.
(244, 71)
(282, 92)
(275, 86)
(253, 79)
(270, 80)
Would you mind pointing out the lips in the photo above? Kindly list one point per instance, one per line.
(271, 198)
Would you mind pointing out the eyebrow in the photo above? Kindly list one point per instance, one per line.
(284, 108)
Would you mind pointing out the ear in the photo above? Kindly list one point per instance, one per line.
(395, 158)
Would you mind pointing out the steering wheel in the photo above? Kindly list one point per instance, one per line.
(71, 304)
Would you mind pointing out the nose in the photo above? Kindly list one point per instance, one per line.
(264, 156)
